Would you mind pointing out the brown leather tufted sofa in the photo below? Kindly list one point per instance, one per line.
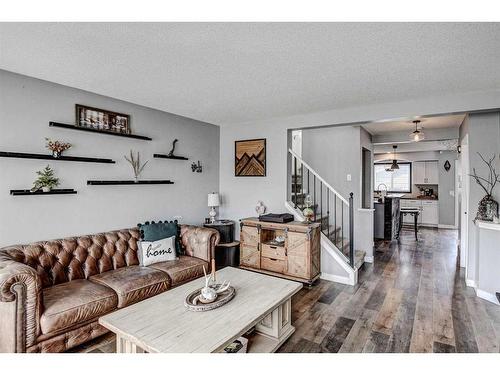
(53, 292)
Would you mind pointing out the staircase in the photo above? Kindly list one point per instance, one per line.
(334, 212)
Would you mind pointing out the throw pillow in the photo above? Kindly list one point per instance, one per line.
(152, 252)
(151, 231)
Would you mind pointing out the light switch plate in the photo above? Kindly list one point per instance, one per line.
(349, 178)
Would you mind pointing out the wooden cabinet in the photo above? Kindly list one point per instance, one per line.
(425, 173)
(297, 258)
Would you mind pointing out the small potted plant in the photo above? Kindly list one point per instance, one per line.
(135, 162)
(45, 181)
(57, 147)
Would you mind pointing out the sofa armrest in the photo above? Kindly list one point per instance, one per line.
(21, 286)
(199, 242)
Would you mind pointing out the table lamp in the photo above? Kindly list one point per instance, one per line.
(213, 201)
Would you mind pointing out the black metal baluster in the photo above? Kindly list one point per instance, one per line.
(351, 229)
(321, 204)
(314, 199)
(342, 238)
(335, 218)
(302, 185)
(294, 180)
(328, 211)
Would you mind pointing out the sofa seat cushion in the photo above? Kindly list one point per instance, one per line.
(75, 302)
(133, 284)
(181, 270)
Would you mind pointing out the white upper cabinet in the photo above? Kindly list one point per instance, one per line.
(425, 172)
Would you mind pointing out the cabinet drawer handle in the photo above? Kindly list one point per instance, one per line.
(273, 259)
(272, 247)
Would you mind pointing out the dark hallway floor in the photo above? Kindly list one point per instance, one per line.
(412, 299)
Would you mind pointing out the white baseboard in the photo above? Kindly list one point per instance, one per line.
(471, 283)
(336, 278)
(368, 259)
(487, 296)
(446, 226)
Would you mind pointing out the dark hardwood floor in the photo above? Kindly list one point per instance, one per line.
(413, 298)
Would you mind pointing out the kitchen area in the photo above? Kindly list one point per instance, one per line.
(415, 182)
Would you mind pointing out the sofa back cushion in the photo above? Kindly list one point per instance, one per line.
(72, 258)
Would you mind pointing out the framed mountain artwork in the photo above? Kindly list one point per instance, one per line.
(250, 158)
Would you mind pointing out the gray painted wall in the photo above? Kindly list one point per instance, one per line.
(27, 105)
(484, 137)
(447, 188)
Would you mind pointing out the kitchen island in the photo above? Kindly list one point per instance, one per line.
(387, 217)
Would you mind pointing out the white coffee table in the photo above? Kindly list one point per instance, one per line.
(162, 324)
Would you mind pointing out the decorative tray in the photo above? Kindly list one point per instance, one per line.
(193, 301)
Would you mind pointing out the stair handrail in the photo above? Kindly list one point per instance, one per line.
(319, 177)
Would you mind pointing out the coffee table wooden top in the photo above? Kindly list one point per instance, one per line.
(162, 324)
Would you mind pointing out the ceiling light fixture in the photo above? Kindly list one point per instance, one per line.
(417, 135)
(394, 160)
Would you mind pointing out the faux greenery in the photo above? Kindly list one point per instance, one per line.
(135, 162)
(45, 178)
(57, 146)
(488, 183)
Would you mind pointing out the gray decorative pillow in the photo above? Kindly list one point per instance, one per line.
(151, 252)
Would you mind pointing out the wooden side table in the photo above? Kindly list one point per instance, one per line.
(227, 254)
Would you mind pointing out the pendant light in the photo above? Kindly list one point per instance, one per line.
(417, 135)
(394, 160)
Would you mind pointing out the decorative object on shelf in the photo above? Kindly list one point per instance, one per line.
(57, 147)
(45, 181)
(101, 119)
(196, 167)
(447, 166)
(250, 158)
(135, 162)
(417, 135)
(488, 207)
(308, 212)
(213, 201)
(210, 296)
(260, 208)
(237, 346)
(171, 153)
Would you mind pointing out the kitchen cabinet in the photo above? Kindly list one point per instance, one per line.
(425, 172)
(429, 211)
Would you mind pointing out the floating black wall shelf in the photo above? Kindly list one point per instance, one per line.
(163, 156)
(40, 192)
(73, 127)
(23, 155)
(129, 182)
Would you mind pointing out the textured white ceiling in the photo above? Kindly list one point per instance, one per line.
(238, 72)
(438, 122)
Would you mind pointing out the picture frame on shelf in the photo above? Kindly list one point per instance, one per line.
(102, 119)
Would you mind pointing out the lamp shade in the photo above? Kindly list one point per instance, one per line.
(213, 200)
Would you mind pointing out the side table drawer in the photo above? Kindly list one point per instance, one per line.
(272, 264)
(276, 252)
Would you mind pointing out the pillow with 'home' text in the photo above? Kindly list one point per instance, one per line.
(152, 252)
